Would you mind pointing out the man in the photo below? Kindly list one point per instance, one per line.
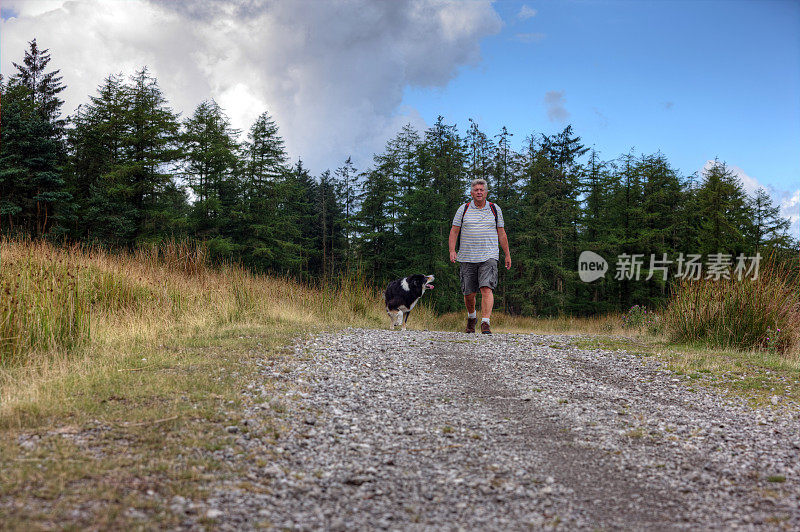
(481, 228)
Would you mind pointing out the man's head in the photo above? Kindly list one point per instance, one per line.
(479, 190)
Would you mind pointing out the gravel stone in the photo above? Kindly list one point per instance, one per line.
(398, 430)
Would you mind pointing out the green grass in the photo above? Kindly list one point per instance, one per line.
(756, 375)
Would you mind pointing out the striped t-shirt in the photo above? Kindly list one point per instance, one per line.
(478, 233)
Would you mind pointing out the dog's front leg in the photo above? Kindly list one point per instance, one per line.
(405, 319)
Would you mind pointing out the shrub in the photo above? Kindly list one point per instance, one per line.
(638, 317)
(760, 313)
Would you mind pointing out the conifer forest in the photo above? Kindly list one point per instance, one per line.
(125, 170)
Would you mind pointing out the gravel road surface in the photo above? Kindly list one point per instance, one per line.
(421, 430)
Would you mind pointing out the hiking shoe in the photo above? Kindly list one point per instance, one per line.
(471, 325)
(485, 328)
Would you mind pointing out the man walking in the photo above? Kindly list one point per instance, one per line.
(480, 224)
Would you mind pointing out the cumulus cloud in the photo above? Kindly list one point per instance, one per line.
(332, 74)
(526, 12)
(790, 208)
(554, 103)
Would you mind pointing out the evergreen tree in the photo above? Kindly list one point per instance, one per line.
(211, 167)
(346, 177)
(767, 228)
(598, 234)
(556, 157)
(42, 86)
(152, 149)
(722, 206)
(444, 163)
(330, 224)
(33, 197)
(300, 211)
(122, 148)
(481, 153)
(31, 182)
(505, 170)
(662, 204)
(265, 233)
(628, 219)
(376, 239)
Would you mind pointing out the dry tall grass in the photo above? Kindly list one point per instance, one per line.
(743, 314)
(72, 314)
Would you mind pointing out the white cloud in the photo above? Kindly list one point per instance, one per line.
(750, 184)
(790, 208)
(526, 12)
(554, 102)
(332, 74)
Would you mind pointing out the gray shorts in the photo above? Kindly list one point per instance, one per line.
(474, 275)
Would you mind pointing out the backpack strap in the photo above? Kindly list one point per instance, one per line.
(494, 210)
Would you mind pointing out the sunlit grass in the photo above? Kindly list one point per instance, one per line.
(71, 318)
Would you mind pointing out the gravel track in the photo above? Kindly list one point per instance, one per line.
(435, 430)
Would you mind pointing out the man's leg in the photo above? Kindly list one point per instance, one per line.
(487, 302)
(487, 279)
(469, 301)
(468, 273)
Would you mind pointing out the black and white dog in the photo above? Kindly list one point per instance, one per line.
(402, 294)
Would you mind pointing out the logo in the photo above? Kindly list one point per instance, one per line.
(591, 266)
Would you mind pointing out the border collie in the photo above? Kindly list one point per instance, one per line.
(402, 294)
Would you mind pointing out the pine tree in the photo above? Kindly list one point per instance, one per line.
(42, 86)
(346, 177)
(33, 196)
(122, 148)
(300, 211)
(376, 239)
(505, 170)
(211, 167)
(767, 228)
(264, 232)
(330, 218)
(444, 163)
(481, 153)
(152, 149)
(662, 204)
(31, 182)
(722, 206)
(598, 232)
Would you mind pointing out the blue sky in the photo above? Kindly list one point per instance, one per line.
(696, 80)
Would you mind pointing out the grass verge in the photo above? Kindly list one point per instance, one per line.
(755, 375)
(103, 426)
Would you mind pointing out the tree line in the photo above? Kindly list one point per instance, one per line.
(126, 170)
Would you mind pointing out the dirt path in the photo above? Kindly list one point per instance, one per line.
(434, 430)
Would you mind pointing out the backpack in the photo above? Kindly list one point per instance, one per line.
(466, 206)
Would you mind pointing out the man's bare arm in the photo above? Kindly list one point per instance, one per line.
(454, 230)
(503, 240)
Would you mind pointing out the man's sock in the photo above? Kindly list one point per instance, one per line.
(484, 320)
(473, 314)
